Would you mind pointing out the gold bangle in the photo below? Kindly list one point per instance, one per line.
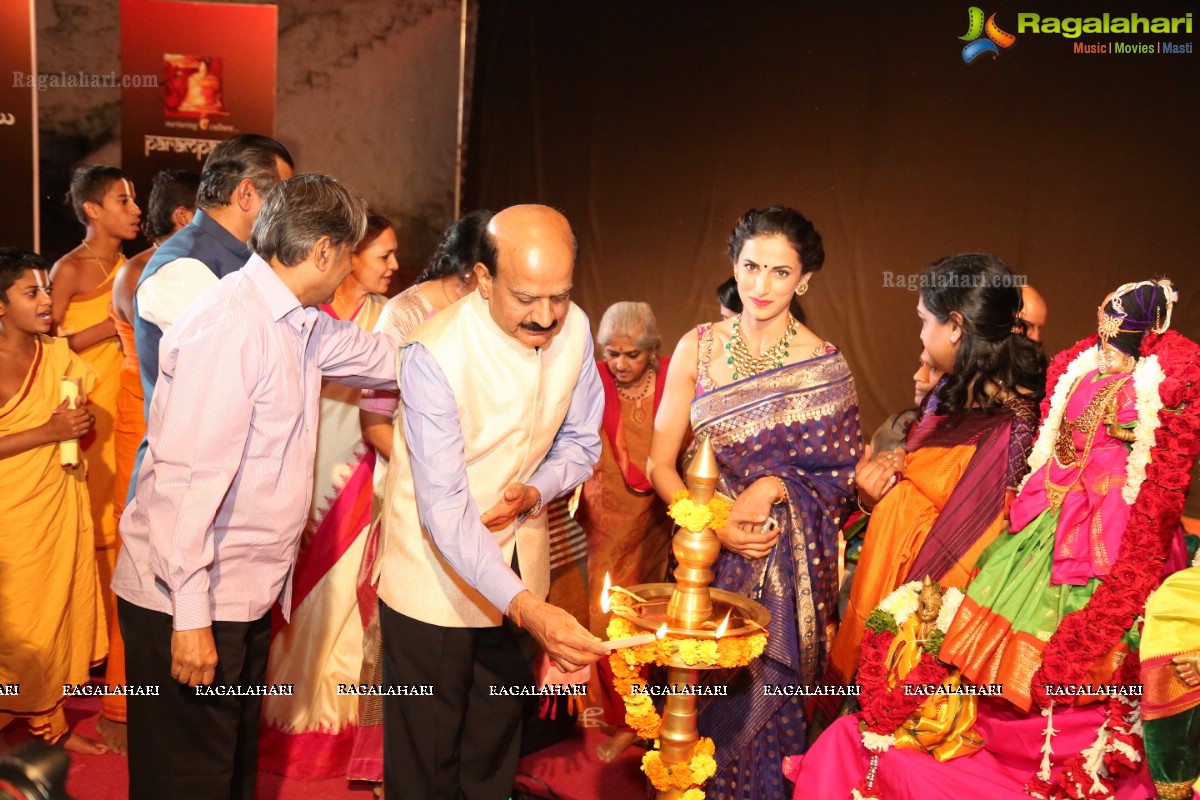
(865, 512)
(783, 492)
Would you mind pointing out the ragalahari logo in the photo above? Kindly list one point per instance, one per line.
(976, 27)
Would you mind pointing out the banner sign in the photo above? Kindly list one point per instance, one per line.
(216, 65)
(18, 125)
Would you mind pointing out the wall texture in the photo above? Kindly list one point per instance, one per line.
(367, 91)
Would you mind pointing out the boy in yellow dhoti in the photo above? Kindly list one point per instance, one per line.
(103, 200)
(49, 593)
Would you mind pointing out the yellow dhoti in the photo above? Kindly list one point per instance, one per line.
(51, 628)
(86, 310)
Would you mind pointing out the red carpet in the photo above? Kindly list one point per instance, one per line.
(566, 771)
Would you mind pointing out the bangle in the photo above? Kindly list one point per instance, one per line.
(865, 512)
(783, 492)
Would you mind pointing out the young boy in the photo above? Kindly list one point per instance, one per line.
(49, 597)
(104, 202)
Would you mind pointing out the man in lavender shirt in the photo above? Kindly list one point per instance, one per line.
(210, 538)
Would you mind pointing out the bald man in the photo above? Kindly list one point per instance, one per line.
(1033, 312)
(501, 410)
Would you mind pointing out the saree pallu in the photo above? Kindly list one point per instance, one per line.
(129, 429)
(799, 423)
(51, 629)
(947, 508)
(309, 735)
(85, 310)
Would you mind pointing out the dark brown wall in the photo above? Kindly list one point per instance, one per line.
(653, 125)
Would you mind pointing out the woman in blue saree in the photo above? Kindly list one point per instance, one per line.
(779, 406)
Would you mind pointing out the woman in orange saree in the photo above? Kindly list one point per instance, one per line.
(939, 502)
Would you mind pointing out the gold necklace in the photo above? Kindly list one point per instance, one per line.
(100, 262)
(1087, 423)
(446, 291)
(744, 364)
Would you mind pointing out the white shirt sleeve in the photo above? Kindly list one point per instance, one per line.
(164, 296)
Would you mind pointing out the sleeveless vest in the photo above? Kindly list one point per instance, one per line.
(511, 402)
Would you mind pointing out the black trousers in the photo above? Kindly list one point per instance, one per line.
(183, 746)
(463, 742)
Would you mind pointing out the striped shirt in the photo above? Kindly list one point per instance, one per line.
(224, 491)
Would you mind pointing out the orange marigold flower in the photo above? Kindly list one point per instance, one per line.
(681, 776)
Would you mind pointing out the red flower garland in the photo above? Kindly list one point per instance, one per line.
(1074, 782)
(884, 710)
(1086, 635)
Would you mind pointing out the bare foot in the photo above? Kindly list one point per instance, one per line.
(116, 735)
(609, 751)
(76, 743)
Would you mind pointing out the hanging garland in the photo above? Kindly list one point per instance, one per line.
(631, 666)
(1086, 635)
(1116, 753)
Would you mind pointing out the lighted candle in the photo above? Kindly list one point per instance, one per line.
(68, 451)
(634, 641)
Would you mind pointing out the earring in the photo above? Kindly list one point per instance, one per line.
(801, 289)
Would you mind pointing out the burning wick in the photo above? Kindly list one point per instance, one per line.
(609, 590)
(724, 624)
(634, 641)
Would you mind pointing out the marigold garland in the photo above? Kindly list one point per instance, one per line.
(689, 776)
(698, 516)
(631, 666)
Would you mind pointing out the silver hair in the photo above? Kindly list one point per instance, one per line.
(301, 210)
(635, 320)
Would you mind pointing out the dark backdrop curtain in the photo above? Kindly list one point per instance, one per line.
(653, 125)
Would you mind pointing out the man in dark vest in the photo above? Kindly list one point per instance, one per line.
(236, 177)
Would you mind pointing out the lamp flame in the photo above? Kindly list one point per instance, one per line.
(662, 631)
(605, 605)
(724, 624)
